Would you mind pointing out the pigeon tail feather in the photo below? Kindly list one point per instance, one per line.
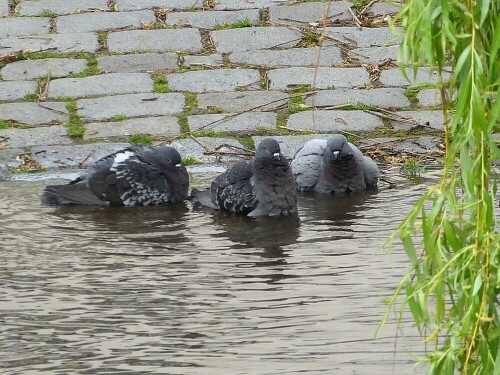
(70, 194)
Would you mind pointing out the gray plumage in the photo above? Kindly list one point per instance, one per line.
(135, 176)
(333, 166)
(262, 187)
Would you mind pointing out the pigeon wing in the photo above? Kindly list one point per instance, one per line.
(306, 164)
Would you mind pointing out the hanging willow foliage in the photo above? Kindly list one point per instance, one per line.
(451, 237)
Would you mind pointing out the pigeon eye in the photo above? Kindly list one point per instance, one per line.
(168, 160)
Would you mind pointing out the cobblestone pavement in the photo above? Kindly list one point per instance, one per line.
(82, 78)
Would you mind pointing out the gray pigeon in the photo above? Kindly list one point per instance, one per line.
(262, 187)
(134, 176)
(333, 166)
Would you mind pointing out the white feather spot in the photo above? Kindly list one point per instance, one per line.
(120, 158)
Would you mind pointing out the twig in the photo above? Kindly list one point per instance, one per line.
(367, 6)
(356, 19)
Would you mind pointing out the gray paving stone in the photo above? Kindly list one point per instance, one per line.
(74, 156)
(35, 8)
(374, 55)
(214, 80)
(432, 119)
(429, 98)
(254, 38)
(190, 148)
(132, 105)
(394, 77)
(329, 56)
(32, 69)
(4, 8)
(244, 100)
(13, 90)
(8, 159)
(380, 97)
(290, 144)
(419, 144)
(382, 8)
(35, 113)
(331, 121)
(214, 59)
(281, 79)
(185, 39)
(102, 84)
(305, 13)
(207, 20)
(20, 26)
(147, 4)
(162, 125)
(366, 37)
(239, 4)
(247, 121)
(136, 63)
(103, 21)
(47, 135)
(58, 43)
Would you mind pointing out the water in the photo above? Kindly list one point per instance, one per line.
(186, 290)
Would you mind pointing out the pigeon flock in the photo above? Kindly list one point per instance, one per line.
(268, 185)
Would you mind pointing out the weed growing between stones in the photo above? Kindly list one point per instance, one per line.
(117, 118)
(30, 97)
(297, 103)
(160, 84)
(183, 124)
(75, 124)
(189, 160)
(191, 102)
(235, 25)
(310, 38)
(47, 13)
(141, 139)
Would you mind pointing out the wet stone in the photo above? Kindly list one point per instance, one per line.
(374, 55)
(190, 148)
(331, 121)
(48, 135)
(244, 100)
(162, 125)
(8, 159)
(239, 4)
(214, 59)
(430, 119)
(305, 13)
(185, 39)
(282, 79)
(133, 105)
(4, 8)
(393, 77)
(161, 4)
(35, 8)
(57, 43)
(32, 69)
(214, 80)
(380, 97)
(247, 121)
(19, 26)
(136, 63)
(366, 37)
(13, 90)
(35, 113)
(103, 21)
(102, 84)
(328, 56)
(207, 20)
(429, 98)
(255, 38)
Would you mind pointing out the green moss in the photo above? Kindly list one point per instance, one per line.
(190, 160)
(75, 124)
(116, 118)
(297, 103)
(235, 25)
(88, 71)
(247, 142)
(62, 99)
(411, 93)
(214, 109)
(310, 38)
(102, 38)
(7, 124)
(141, 139)
(211, 134)
(191, 102)
(31, 97)
(360, 4)
(183, 124)
(47, 13)
(160, 84)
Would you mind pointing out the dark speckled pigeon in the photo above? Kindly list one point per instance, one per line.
(135, 176)
(262, 187)
(333, 166)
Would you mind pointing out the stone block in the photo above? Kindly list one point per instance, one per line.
(332, 121)
(429, 98)
(281, 79)
(102, 84)
(23, 26)
(374, 55)
(430, 119)
(32, 69)
(190, 148)
(161, 4)
(47, 135)
(103, 21)
(382, 8)
(214, 80)
(304, 14)
(162, 125)
(185, 39)
(328, 56)
(13, 90)
(239, 4)
(244, 100)
(4, 8)
(36, 7)
(136, 63)
(247, 121)
(420, 144)
(58, 43)
(207, 20)
(132, 105)
(394, 77)
(255, 38)
(8, 159)
(43, 113)
(366, 37)
(212, 60)
(380, 97)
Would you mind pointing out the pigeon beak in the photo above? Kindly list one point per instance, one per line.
(178, 165)
(336, 154)
(277, 156)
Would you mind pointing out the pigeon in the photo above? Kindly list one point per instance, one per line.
(333, 166)
(262, 187)
(134, 176)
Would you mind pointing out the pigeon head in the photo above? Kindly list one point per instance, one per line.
(338, 147)
(167, 156)
(268, 148)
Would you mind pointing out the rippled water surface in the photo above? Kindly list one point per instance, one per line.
(186, 290)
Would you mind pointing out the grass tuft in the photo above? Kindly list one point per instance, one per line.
(160, 84)
(141, 139)
(235, 25)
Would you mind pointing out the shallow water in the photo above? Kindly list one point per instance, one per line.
(187, 290)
